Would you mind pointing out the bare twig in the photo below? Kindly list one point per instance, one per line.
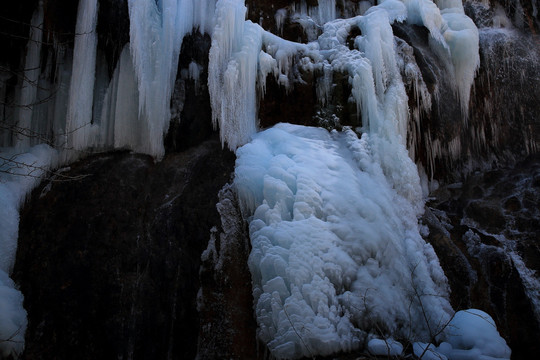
(10, 165)
(296, 332)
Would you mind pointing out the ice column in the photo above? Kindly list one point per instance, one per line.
(79, 118)
(454, 36)
(232, 73)
(156, 33)
(31, 77)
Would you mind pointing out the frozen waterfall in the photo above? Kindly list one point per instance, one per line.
(338, 261)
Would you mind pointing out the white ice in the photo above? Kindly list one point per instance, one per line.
(79, 117)
(385, 347)
(12, 319)
(19, 173)
(471, 334)
(333, 218)
(336, 249)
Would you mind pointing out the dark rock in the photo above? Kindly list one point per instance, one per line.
(109, 265)
(113, 30)
(459, 272)
(488, 214)
(225, 302)
(512, 204)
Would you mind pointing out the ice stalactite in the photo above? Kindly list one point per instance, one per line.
(79, 118)
(231, 76)
(29, 87)
(454, 36)
(156, 34)
(237, 64)
(120, 122)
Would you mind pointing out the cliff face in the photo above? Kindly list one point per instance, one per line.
(134, 261)
(485, 231)
(110, 263)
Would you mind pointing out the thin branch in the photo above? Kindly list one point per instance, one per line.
(40, 27)
(21, 74)
(296, 332)
(10, 165)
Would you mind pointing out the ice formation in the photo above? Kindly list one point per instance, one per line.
(84, 110)
(333, 218)
(385, 347)
(12, 318)
(19, 173)
(28, 92)
(237, 62)
(471, 334)
(79, 115)
(336, 249)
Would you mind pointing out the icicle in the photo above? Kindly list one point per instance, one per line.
(127, 129)
(29, 85)
(79, 117)
(236, 45)
(454, 36)
(280, 17)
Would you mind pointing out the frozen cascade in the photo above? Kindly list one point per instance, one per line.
(237, 63)
(231, 75)
(156, 33)
(333, 218)
(453, 34)
(336, 250)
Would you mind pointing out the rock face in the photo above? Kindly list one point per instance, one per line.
(225, 302)
(486, 233)
(109, 264)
